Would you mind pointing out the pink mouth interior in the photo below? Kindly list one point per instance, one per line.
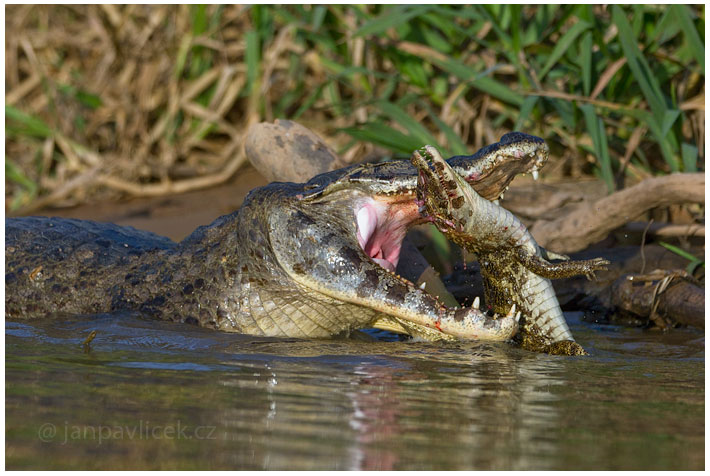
(381, 227)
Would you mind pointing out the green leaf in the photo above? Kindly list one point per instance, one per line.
(434, 39)
(525, 111)
(669, 117)
(318, 16)
(381, 134)
(678, 251)
(664, 141)
(563, 44)
(595, 127)
(182, 53)
(89, 100)
(390, 18)
(477, 80)
(691, 33)
(456, 145)
(585, 61)
(690, 157)
(404, 119)
(15, 174)
(667, 27)
(199, 19)
(638, 65)
(20, 123)
(310, 100)
(252, 56)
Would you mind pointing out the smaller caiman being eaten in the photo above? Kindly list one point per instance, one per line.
(514, 267)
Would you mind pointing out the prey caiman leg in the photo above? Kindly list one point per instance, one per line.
(322, 259)
(566, 269)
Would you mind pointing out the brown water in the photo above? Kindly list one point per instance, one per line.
(169, 396)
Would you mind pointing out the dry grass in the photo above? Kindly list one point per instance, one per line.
(136, 99)
(107, 101)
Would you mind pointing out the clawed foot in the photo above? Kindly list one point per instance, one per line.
(593, 265)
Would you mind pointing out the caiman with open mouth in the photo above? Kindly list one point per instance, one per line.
(303, 260)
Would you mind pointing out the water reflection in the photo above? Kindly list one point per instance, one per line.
(415, 408)
(340, 404)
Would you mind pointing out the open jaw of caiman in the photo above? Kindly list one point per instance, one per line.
(513, 266)
(300, 260)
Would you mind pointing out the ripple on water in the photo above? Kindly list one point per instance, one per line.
(636, 403)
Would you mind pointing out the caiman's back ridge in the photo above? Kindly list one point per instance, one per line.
(307, 260)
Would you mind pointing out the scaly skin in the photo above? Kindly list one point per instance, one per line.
(303, 260)
(513, 266)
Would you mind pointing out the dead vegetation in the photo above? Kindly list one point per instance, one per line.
(114, 100)
(108, 101)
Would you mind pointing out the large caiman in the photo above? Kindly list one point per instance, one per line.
(515, 269)
(313, 259)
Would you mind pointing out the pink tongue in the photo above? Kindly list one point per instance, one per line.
(384, 263)
(366, 222)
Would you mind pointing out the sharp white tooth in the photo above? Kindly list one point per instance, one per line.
(517, 317)
(423, 285)
(535, 174)
(507, 188)
(512, 310)
(476, 302)
(502, 195)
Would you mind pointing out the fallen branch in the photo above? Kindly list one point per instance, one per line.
(592, 222)
(665, 229)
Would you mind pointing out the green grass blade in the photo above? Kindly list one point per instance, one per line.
(564, 43)
(404, 119)
(595, 127)
(181, 57)
(691, 34)
(390, 18)
(15, 174)
(525, 111)
(669, 118)
(455, 145)
(663, 140)
(477, 80)
(678, 251)
(310, 100)
(585, 61)
(381, 134)
(20, 123)
(638, 65)
(690, 157)
(252, 56)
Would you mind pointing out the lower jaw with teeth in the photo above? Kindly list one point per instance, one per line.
(381, 227)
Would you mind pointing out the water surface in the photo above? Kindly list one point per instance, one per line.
(157, 395)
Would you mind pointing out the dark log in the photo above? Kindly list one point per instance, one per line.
(664, 297)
